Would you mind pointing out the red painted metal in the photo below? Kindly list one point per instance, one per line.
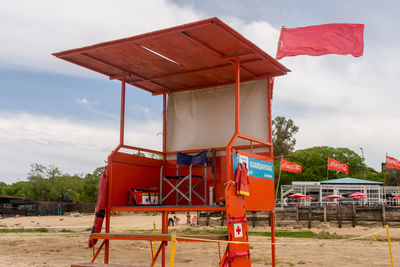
(217, 84)
(139, 149)
(207, 44)
(157, 253)
(122, 121)
(164, 133)
(164, 230)
(168, 208)
(273, 255)
(193, 56)
(98, 251)
(237, 94)
(270, 84)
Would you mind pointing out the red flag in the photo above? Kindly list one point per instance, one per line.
(336, 38)
(392, 163)
(290, 166)
(337, 166)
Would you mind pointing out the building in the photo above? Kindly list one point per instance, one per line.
(342, 187)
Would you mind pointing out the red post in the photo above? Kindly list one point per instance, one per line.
(270, 85)
(164, 148)
(122, 123)
(273, 256)
(237, 94)
(107, 242)
(164, 230)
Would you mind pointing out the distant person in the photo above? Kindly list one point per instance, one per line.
(176, 220)
(187, 218)
(194, 220)
(171, 222)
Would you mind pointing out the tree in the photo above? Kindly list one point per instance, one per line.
(314, 163)
(283, 131)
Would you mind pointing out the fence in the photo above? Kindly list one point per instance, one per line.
(314, 216)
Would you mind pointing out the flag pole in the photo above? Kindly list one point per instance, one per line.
(279, 178)
(327, 177)
(277, 49)
(384, 181)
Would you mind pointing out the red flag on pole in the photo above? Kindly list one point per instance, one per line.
(290, 166)
(337, 166)
(392, 163)
(336, 38)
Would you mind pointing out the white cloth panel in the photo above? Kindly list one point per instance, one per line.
(205, 118)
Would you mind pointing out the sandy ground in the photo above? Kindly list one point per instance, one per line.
(62, 249)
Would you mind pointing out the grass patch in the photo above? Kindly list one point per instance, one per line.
(286, 233)
(65, 231)
(221, 231)
(23, 230)
(190, 231)
(282, 233)
(3, 225)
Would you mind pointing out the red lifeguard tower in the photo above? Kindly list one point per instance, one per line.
(217, 89)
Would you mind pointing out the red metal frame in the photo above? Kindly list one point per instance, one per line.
(249, 62)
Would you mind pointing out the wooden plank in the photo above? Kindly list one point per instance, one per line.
(156, 237)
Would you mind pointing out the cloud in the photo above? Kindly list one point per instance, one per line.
(336, 100)
(31, 31)
(84, 101)
(74, 147)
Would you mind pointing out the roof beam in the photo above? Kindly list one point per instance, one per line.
(259, 77)
(128, 73)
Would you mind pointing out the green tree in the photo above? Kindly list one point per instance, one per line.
(283, 131)
(314, 163)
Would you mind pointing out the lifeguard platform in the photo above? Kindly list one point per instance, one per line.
(217, 89)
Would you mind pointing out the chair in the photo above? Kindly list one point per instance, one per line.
(185, 185)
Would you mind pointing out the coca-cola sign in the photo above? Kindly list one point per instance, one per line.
(290, 166)
(337, 166)
(392, 163)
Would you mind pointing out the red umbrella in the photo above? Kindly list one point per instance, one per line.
(359, 197)
(396, 197)
(297, 195)
(333, 196)
(357, 194)
(307, 197)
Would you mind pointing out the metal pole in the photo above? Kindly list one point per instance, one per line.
(237, 94)
(363, 159)
(122, 122)
(327, 178)
(164, 147)
(279, 178)
(273, 255)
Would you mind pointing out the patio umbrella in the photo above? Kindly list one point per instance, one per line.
(306, 197)
(396, 197)
(358, 195)
(333, 196)
(297, 195)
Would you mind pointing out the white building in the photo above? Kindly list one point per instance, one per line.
(342, 187)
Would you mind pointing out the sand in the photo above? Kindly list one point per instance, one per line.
(62, 249)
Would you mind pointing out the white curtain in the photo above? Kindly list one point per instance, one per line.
(205, 118)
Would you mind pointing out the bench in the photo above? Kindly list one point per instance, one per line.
(156, 237)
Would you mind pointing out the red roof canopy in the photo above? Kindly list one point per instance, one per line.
(186, 57)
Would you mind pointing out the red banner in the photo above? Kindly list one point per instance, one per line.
(392, 163)
(336, 38)
(337, 166)
(290, 166)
